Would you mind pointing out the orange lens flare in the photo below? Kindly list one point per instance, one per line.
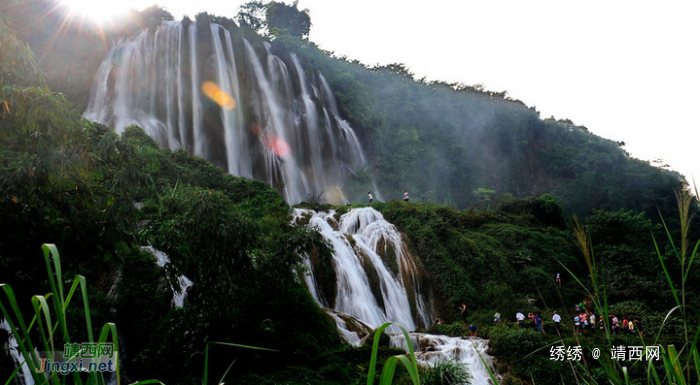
(218, 95)
(276, 145)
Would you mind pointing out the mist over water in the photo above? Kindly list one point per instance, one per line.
(232, 102)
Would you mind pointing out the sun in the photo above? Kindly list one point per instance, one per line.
(100, 11)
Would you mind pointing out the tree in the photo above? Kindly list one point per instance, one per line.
(251, 15)
(283, 19)
(17, 62)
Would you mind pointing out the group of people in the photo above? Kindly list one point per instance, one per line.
(535, 320)
(586, 320)
(583, 320)
(369, 196)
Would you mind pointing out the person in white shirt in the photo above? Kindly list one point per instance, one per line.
(369, 195)
(520, 319)
(405, 196)
(556, 318)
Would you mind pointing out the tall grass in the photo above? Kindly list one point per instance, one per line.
(677, 366)
(50, 323)
(389, 369)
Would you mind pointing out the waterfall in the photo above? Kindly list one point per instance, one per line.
(432, 349)
(184, 283)
(377, 280)
(232, 102)
(24, 375)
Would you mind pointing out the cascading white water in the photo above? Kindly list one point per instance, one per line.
(24, 375)
(227, 80)
(283, 129)
(362, 239)
(433, 349)
(162, 260)
(367, 248)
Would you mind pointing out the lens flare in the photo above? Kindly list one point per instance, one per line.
(218, 95)
(276, 145)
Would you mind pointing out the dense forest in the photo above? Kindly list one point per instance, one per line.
(495, 193)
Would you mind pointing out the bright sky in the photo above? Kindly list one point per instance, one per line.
(627, 70)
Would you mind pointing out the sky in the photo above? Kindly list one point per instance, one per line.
(627, 70)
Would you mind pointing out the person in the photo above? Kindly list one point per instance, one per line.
(558, 279)
(584, 321)
(369, 195)
(533, 319)
(463, 311)
(520, 318)
(405, 196)
(615, 323)
(472, 330)
(556, 318)
(497, 316)
(531, 301)
(538, 322)
(630, 326)
(591, 318)
(577, 324)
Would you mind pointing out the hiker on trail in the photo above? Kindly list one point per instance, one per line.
(615, 323)
(520, 318)
(405, 196)
(557, 279)
(472, 330)
(369, 195)
(533, 319)
(497, 317)
(577, 324)
(556, 318)
(538, 322)
(591, 319)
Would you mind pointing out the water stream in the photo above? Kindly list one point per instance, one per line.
(184, 283)
(24, 375)
(378, 280)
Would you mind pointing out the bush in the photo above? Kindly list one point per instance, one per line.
(446, 373)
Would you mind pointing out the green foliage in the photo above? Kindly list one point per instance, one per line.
(252, 15)
(470, 255)
(53, 333)
(17, 61)
(283, 19)
(446, 373)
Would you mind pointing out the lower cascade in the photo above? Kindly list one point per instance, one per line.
(433, 349)
(373, 279)
(24, 376)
